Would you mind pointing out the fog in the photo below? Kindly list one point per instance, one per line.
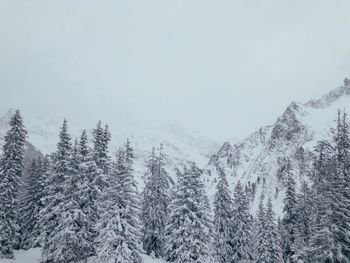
(223, 68)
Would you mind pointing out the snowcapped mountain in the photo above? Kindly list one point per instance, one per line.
(256, 161)
(179, 145)
(260, 158)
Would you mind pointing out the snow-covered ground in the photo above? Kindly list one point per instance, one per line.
(25, 256)
(33, 256)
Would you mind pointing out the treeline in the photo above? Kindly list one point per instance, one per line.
(81, 205)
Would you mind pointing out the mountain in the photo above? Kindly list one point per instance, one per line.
(259, 159)
(179, 145)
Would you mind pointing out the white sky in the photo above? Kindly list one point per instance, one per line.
(223, 67)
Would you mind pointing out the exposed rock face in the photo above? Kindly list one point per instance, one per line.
(259, 161)
(261, 158)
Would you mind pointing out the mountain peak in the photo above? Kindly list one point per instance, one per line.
(331, 97)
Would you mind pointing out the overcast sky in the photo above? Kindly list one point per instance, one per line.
(222, 67)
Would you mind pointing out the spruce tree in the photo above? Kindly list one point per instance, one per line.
(260, 226)
(303, 222)
(223, 224)
(31, 204)
(242, 225)
(188, 229)
(54, 214)
(90, 188)
(119, 238)
(101, 138)
(155, 204)
(330, 239)
(289, 220)
(341, 186)
(273, 252)
(11, 166)
(322, 245)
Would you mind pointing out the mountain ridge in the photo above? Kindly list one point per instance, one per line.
(260, 157)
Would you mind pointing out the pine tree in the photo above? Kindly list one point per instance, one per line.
(31, 204)
(188, 229)
(303, 222)
(223, 224)
(322, 245)
(341, 186)
(46, 173)
(289, 220)
(330, 239)
(242, 225)
(155, 204)
(54, 216)
(119, 238)
(273, 252)
(92, 182)
(260, 226)
(11, 165)
(74, 217)
(101, 138)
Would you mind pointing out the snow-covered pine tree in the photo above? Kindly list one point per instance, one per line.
(188, 229)
(90, 189)
(101, 138)
(119, 238)
(223, 225)
(11, 165)
(322, 244)
(58, 235)
(274, 251)
(242, 225)
(341, 186)
(304, 211)
(289, 221)
(31, 204)
(46, 173)
(330, 239)
(155, 202)
(260, 234)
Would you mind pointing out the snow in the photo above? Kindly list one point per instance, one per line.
(180, 145)
(25, 256)
(258, 154)
(243, 160)
(33, 256)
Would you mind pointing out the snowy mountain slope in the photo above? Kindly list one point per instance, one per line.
(260, 158)
(179, 145)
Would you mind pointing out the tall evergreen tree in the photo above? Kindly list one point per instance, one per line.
(341, 186)
(31, 204)
(242, 225)
(119, 238)
(303, 222)
(155, 204)
(289, 220)
(11, 166)
(90, 188)
(53, 216)
(188, 229)
(330, 239)
(322, 245)
(274, 251)
(223, 224)
(101, 138)
(260, 227)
